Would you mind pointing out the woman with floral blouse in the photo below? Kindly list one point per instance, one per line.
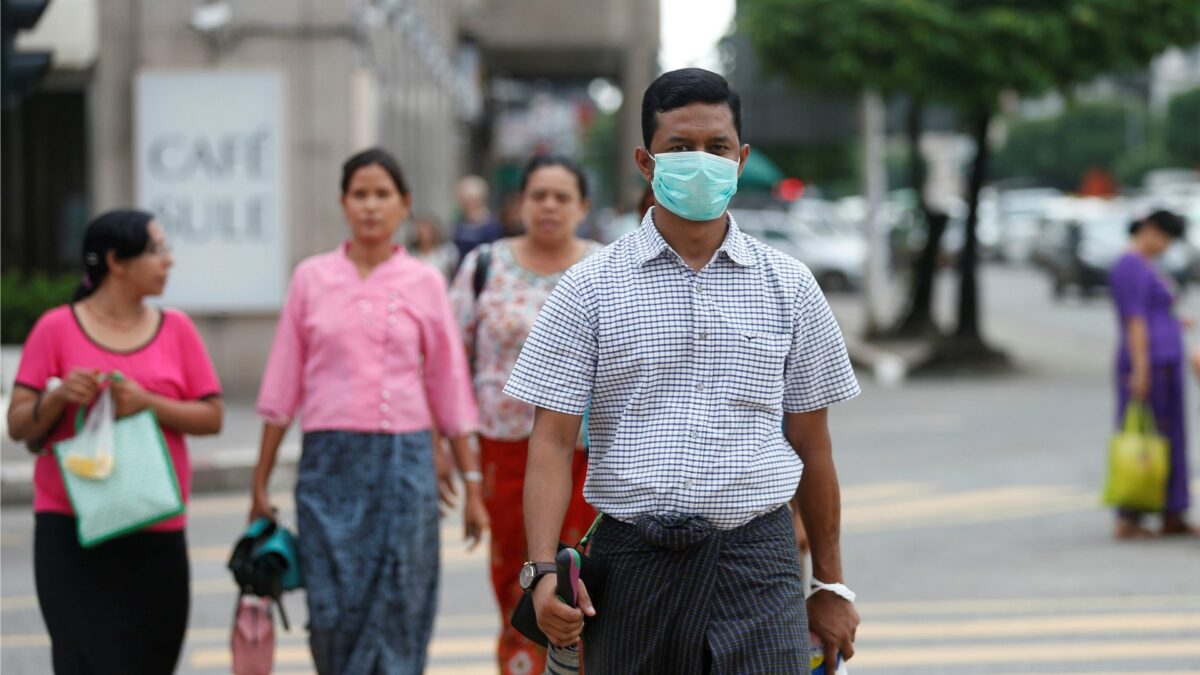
(520, 273)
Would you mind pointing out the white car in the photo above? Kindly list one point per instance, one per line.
(813, 234)
(1020, 213)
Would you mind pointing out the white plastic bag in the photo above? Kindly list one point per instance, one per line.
(91, 456)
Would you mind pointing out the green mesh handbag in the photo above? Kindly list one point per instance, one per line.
(133, 488)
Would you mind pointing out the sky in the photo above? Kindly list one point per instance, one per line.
(690, 30)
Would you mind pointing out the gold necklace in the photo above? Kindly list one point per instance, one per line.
(115, 322)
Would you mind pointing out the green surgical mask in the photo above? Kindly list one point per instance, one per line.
(694, 185)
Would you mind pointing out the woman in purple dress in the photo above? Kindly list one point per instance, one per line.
(1150, 359)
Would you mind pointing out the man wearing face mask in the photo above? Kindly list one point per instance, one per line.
(692, 342)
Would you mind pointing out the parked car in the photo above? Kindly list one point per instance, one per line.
(812, 233)
(987, 229)
(1079, 251)
(1056, 213)
(1019, 215)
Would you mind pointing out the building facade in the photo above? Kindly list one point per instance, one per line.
(230, 120)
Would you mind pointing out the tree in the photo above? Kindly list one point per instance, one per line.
(1058, 151)
(1183, 127)
(965, 54)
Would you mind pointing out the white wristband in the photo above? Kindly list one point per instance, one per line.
(837, 589)
(472, 477)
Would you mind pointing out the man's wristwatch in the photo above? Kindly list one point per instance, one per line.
(531, 572)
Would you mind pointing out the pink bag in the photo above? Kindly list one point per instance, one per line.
(253, 639)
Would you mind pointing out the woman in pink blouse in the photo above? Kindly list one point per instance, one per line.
(367, 351)
(521, 273)
(120, 606)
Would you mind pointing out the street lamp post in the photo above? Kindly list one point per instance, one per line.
(874, 130)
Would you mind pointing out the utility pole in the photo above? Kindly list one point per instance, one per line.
(874, 130)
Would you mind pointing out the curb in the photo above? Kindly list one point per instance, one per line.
(212, 471)
(889, 366)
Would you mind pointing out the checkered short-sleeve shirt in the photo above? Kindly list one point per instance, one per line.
(688, 373)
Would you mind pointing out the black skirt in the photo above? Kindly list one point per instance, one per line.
(683, 597)
(120, 607)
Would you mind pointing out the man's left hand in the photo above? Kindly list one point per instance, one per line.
(834, 620)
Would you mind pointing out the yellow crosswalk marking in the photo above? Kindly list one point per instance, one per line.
(1022, 605)
(221, 658)
(464, 646)
(1018, 500)
(453, 554)
(889, 490)
(1037, 626)
(288, 653)
(488, 668)
(1126, 671)
(1036, 652)
(209, 506)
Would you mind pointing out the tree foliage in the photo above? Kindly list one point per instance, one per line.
(1183, 127)
(960, 52)
(1057, 151)
(964, 53)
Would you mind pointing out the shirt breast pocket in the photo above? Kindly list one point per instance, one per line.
(757, 361)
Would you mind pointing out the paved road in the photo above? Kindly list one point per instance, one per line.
(972, 530)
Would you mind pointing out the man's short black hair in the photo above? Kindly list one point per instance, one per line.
(681, 87)
(1170, 224)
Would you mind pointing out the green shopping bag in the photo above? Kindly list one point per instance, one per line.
(118, 473)
(1138, 462)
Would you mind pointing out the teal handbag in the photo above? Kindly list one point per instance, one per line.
(264, 562)
(133, 488)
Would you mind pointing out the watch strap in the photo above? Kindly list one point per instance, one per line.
(541, 569)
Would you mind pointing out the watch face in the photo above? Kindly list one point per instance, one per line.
(526, 577)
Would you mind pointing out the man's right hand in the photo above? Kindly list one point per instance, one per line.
(561, 624)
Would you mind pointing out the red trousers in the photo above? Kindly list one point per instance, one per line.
(503, 494)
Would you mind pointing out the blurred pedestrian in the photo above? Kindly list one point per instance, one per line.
(1150, 359)
(629, 221)
(426, 244)
(510, 215)
(478, 225)
(520, 274)
(692, 342)
(119, 606)
(365, 349)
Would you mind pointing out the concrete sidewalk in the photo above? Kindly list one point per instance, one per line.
(219, 463)
(226, 462)
(888, 364)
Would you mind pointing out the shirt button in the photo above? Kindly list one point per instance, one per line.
(384, 424)
(687, 483)
(694, 434)
(383, 407)
(703, 335)
(700, 387)
(385, 394)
